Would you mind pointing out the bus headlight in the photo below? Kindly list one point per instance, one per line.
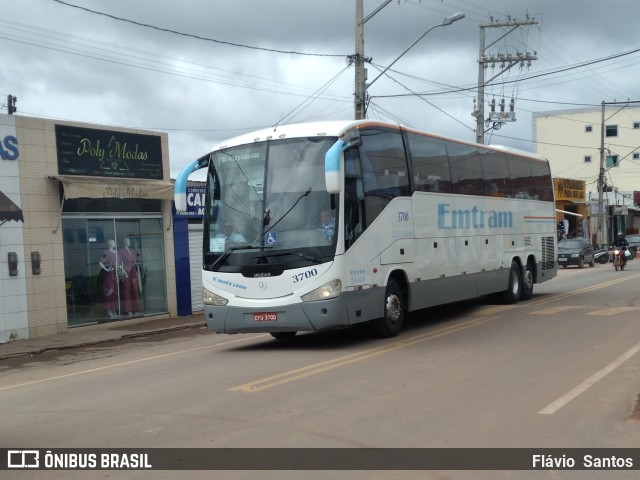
(211, 298)
(325, 292)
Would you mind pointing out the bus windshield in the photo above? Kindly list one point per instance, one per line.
(268, 208)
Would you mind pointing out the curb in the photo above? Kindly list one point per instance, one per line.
(117, 338)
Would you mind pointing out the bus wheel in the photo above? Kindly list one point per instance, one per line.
(283, 335)
(512, 294)
(527, 283)
(394, 311)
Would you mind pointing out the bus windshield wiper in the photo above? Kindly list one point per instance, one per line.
(268, 214)
(228, 252)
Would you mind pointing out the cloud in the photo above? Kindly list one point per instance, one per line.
(64, 62)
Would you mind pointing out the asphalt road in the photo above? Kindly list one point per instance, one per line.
(558, 371)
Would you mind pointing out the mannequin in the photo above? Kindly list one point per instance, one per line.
(109, 263)
(129, 292)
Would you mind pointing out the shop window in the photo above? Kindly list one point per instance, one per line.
(114, 268)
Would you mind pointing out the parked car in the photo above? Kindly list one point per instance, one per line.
(575, 251)
(634, 243)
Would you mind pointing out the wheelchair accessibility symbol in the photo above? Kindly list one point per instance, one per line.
(271, 238)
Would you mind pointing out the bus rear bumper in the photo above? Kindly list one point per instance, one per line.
(300, 317)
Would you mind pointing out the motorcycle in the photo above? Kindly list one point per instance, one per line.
(619, 258)
(602, 256)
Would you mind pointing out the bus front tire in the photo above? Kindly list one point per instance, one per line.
(394, 312)
(512, 294)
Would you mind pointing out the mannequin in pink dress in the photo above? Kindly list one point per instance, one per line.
(128, 257)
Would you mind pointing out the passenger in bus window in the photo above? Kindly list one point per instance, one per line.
(230, 234)
(327, 226)
(492, 190)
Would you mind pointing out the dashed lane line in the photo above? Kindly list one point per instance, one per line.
(554, 310)
(613, 311)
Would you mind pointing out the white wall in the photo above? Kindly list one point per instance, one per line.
(14, 320)
(561, 137)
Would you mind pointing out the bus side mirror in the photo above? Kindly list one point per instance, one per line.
(333, 157)
(332, 167)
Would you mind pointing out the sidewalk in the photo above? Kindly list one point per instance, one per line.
(91, 335)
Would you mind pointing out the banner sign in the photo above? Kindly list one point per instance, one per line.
(569, 189)
(195, 202)
(105, 153)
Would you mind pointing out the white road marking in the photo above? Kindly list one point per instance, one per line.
(589, 382)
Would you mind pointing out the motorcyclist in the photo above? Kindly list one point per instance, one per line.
(622, 244)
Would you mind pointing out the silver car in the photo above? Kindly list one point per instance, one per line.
(634, 243)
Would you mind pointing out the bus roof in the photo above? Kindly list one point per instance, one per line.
(337, 128)
(334, 128)
(517, 151)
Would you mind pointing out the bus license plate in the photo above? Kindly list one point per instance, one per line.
(265, 317)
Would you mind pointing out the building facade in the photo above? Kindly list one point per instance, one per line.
(94, 243)
(572, 140)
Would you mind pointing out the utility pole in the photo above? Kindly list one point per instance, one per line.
(361, 85)
(507, 61)
(360, 90)
(361, 72)
(600, 231)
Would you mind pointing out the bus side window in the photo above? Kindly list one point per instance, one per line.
(521, 179)
(542, 181)
(496, 174)
(430, 164)
(384, 169)
(353, 197)
(466, 169)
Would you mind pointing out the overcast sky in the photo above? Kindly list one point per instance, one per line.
(230, 68)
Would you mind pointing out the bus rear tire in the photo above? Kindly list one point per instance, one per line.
(394, 312)
(527, 283)
(283, 335)
(512, 294)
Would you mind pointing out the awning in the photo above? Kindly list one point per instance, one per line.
(77, 186)
(9, 210)
(568, 213)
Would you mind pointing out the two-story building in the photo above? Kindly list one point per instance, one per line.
(573, 141)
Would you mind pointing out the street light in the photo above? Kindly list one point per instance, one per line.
(447, 21)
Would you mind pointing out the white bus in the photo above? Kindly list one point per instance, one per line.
(317, 226)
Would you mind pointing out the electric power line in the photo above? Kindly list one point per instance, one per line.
(198, 37)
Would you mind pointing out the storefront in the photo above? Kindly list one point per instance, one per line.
(571, 208)
(97, 217)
